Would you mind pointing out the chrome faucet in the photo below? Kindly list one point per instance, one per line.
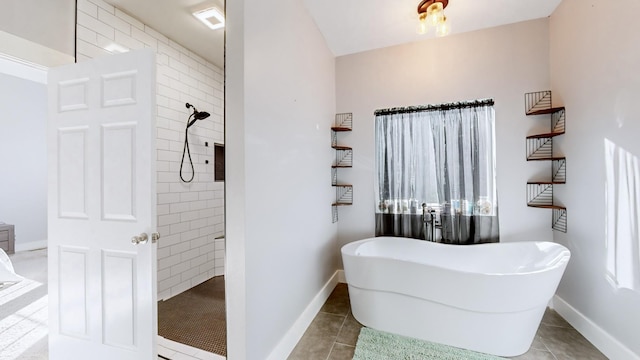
(428, 222)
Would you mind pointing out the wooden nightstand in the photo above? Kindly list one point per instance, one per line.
(7, 238)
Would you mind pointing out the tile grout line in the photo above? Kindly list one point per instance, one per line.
(542, 340)
(333, 345)
(341, 343)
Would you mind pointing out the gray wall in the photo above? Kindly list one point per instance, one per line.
(594, 73)
(23, 159)
(280, 103)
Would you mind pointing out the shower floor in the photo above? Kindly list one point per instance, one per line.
(196, 317)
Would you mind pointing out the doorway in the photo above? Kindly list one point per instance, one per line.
(191, 251)
(190, 202)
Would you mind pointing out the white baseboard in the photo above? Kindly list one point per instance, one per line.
(31, 245)
(291, 338)
(341, 277)
(607, 344)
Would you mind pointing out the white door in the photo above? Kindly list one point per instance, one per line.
(102, 193)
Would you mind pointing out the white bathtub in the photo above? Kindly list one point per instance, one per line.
(488, 298)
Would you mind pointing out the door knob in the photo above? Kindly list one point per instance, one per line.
(155, 237)
(140, 239)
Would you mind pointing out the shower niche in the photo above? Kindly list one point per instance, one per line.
(343, 159)
(539, 147)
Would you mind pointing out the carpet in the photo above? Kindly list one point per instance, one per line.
(377, 345)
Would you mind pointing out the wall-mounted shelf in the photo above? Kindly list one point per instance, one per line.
(344, 159)
(555, 207)
(344, 195)
(550, 110)
(546, 182)
(552, 158)
(544, 136)
(539, 147)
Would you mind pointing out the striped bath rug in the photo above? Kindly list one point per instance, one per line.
(377, 345)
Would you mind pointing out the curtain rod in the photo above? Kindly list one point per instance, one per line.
(440, 107)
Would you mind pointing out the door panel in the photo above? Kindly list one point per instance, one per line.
(118, 168)
(118, 293)
(73, 293)
(72, 172)
(102, 192)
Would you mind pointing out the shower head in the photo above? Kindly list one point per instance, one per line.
(200, 115)
(197, 115)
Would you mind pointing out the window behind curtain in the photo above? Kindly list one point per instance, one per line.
(442, 156)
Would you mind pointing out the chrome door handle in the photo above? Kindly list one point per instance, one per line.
(155, 237)
(140, 239)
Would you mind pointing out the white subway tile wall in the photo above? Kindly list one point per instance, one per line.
(190, 216)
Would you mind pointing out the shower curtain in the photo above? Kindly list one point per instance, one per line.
(443, 157)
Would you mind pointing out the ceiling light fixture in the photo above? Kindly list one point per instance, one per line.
(212, 17)
(431, 14)
(116, 48)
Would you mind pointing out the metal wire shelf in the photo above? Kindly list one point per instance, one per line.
(344, 159)
(540, 147)
(344, 195)
(559, 170)
(537, 101)
(344, 122)
(539, 195)
(559, 220)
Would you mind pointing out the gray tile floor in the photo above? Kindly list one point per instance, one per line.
(333, 334)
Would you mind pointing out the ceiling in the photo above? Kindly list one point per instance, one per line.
(174, 19)
(349, 26)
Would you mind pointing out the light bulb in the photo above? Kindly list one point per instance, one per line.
(443, 28)
(435, 13)
(422, 24)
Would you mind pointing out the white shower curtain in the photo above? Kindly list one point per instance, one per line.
(442, 156)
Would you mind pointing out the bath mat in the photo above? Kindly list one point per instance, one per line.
(377, 345)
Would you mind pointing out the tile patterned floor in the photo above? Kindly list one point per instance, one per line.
(333, 333)
(196, 317)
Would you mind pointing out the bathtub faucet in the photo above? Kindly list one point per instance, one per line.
(428, 222)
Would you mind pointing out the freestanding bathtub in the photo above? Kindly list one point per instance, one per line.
(488, 298)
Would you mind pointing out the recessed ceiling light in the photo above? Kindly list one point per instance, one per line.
(116, 48)
(212, 17)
